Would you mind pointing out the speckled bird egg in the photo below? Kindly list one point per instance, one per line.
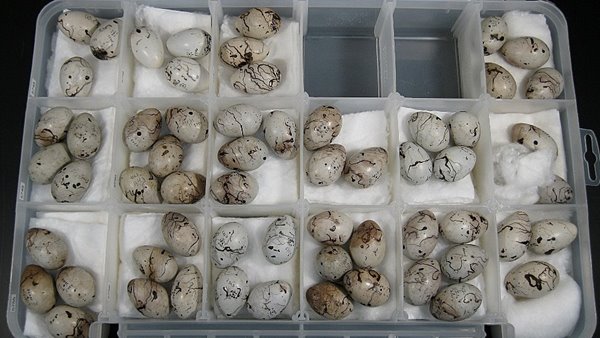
(367, 286)
(139, 185)
(187, 75)
(77, 25)
(37, 289)
(499, 82)
(454, 163)
(332, 262)
(67, 321)
(256, 78)
(234, 188)
(534, 138)
(415, 164)
(493, 34)
(330, 227)
(281, 134)
(76, 286)
(268, 300)
(240, 51)
(514, 235)
(155, 263)
(165, 156)
(147, 47)
(258, 23)
(244, 153)
(187, 124)
(231, 290)
(464, 129)
(364, 168)
(551, 235)
(329, 300)
(183, 187)
(180, 234)
(104, 43)
(533, 279)
(148, 297)
(322, 126)
(52, 126)
(46, 248)
(326, 164)
(45, 163)
(71, 182)
(526, 52)
(456, 302)
(238, 120)
(367, 245)
(420, 234)
(422, 280)
(428, 131)
(142, 130)
(186, 292)
(463, 262)
(559, 191)
(229, 243)
(85, 136)
(279, 242)
(192, 43)
(463, 226)
(545, 83)
(76, 77)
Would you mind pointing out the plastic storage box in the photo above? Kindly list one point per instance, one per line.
(358, 56)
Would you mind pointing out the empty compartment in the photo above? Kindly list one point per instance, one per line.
(427, 45)
(340, 51)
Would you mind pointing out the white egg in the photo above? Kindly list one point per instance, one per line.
(45, 163)
(187, 75)
(238, 120)
(499, 82)
(192, 43)
(183, 187)
(326, 164)
(180, 234)
(267, 300)
(245, 153)
(281, 134)
(147, 47)
(139, 185)
(367, 286)
(240, 51)
(422, 281)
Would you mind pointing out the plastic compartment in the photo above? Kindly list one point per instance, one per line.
(358, 56)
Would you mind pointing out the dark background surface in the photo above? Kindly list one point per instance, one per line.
(18, 24)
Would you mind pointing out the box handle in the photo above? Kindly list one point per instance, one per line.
(591, 157)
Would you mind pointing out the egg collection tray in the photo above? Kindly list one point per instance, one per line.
(359, 56)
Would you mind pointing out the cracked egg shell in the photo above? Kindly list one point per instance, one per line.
(148, 297)
(238, 120)
(77, 25)
(526, 52)
(332, 262)
(268, 300)
(256, 78)
(142, 130)
(326, 164)
(46, 248)
(463, 262)
(422, 280)
(37, 289)
(183, 187)
(240, 51)
(464, 129)
(186, 292)
(364, 168)
(187, 124)
(104, 43)
(367, 245)
(551, 235)
(229, 243)
(428, 131)
(186, 75)
(155, 263)
(415, 163)
(279, 242)
(76, 286)
(139, 185)
(84, 137)
(493, 34)
(180, 234)
(533, 279)
(71, 182)
(45, 163)
(499, 82)
(463, 226)
(456, 302)
(231, 290)
(244, 153)
(193, 43)
(454, 163)
(420, 234)
(258, 23)
(165, 156)
(52, 126)
(330, 227)
(236, 187)
(147, 47)
(322, 126)
(281, 134)
(545, 83)
(76, 77)
(68, 321)
(367, 286)
(329, 300)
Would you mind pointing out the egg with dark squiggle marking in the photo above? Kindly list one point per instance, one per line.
(454, 163)
(244, 153)
(236, 187)
(559, 191)
(367, 286)
(329, 300)
(258, 23)
(186, 292)
(428, 131)
(183, 187)
(52, 126)
(85, 136)
(238, 120)
(526, 52)
(333, 261)
(422, 281)
(322, 125)
(463, 262)
(45, 163)
(364, 168)
(155, 263)
(142, 130)
(551, 235)
(493, 34)
(240, 51)
(76, 77)
(180, 234)
(139, 185)
(279, 242)
(545, 83)
(463, 226)
(77, 25)
(46, 248)
(104, 43)
(330, 227)
(499, 82)
(165, 156)
(229, 243)
(534, 138)
(465, 129)
(268, 300)
(256, 78)
(456, 302)
(231, 290)
(37, 289)
(415, 164)
(76, 286)
(514, 234)
(533, 279)
(281, 134)
(147, 47)
(187, 75)
(367, 245)
(68, 321)
(148, 297)
(71, 182)
(187, 124)
(420, 234)
(326, 164)
(192, 43)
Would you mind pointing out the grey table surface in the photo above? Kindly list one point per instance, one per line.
(17, 50)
